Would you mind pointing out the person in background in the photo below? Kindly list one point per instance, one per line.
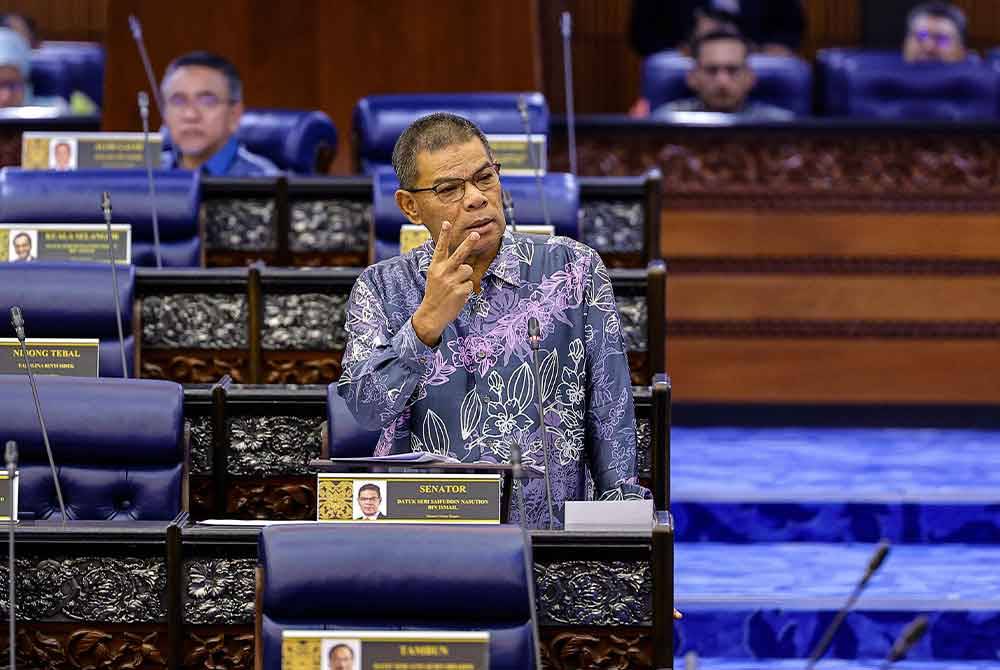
(23, 25)
(935, 31)
(203, 98)
(722, 80)
(15, 72)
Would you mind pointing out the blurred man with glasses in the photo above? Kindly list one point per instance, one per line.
(935, 31)
(722, 79)
(438, 354)
(15, 74)
(203, 99)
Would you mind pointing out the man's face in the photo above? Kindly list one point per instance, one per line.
(476, 211)
(62, 155)
(200, 115)
(369, 500)
(22, 247)
(933, 38)
(341, 658)
(11, 86)
(721, 77)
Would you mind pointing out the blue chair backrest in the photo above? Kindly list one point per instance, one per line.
(562, 197)
(59, 68)
(785, 82)
(44, 196)
(347, 438)
(398, 577)
(379, 120)
(867, 84)
(288, 138)
(72, 300)
(117, 444)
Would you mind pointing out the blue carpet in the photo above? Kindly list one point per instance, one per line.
(775, 600)
(912, 485)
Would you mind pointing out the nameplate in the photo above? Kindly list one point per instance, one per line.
(8, 496)
(511, 151)
(61, 357)
(76, 151)
(412, 236)
(384, 650)
(629, 515)
(408, 498)
(79, 242)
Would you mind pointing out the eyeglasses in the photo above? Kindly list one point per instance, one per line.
(203, 102)
(453, 190)
(942, 40)
(716, 70)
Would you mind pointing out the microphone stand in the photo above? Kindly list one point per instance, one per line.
(144, 113)
(508, 209)
(534, 337)
(106, 206)
(18, 322)
(566, 27)
(517, 473)
(10, 455)
(522, 109)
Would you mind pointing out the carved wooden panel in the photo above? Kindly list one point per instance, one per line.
(195, 367)
(219, 648)
(604, 649)
(302, 367)
(273, 498)
(56, 647)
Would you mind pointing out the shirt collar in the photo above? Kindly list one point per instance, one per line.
(216, 166)
(505, 265)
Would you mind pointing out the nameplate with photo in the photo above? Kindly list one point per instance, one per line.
(49, 356)
(54, 242)
(512, 152)
(8, 496)
(412, 236)
(384, 650)
(408, 498)
(66, 151)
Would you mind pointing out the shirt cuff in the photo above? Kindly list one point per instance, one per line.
(410, 348)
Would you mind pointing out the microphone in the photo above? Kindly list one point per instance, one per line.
(10, 456)
(144, 113)
(522, 109)
(912, 634)
(517, 473)
(106, 207)
(874, 563)
(18, 322)
(508, 209)
(136, 28)
(534, 338)
(566, 27)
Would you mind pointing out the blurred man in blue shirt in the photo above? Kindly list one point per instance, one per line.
(203, 99)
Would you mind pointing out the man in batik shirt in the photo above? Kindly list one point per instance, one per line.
(437, 352)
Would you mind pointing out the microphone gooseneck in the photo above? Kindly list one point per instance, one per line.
(10, 457)
(874, 563)
(106, 207)
(136, 28)
(143, 100)
(508, 209)
(534, 339)
(536, 162)
(566, 28)
(18, 321)
(912, 634)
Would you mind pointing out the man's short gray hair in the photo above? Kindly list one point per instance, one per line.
(431, 133)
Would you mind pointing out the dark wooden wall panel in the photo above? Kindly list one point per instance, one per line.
(64, 19)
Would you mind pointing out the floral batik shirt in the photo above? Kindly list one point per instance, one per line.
(473, 395)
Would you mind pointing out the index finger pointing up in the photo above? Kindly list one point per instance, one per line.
(443, 242)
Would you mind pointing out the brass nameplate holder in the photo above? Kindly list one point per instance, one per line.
(384, 650)
(75, 151)
(61, 357)
(77, 242)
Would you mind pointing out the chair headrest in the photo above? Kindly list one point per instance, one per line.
(310, 570)
(289, 138)
(96, 421)
(782, 81)
(81, 62)
(379, 120)
(65, 299)
(348, 438)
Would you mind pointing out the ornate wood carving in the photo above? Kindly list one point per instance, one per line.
(604, 649)
(638, 365)
(202, 502)
(274, 498)
(302, 367)
(56, 648)
(194, 367)
(210, 649)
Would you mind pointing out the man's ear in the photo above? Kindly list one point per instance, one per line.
(235, 114)
(408, 206)
(751, 79)
(692, 78)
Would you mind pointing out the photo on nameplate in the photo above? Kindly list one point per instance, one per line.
(511, 151)
(65, 151)
(408, 498)
(8, 495)
(51, 356)
(378, 650)
(78, 242)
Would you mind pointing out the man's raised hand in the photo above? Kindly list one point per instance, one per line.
(449, 285)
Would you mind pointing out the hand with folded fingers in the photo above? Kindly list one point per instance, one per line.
(449, 285)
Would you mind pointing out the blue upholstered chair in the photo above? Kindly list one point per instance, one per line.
(43, 196)
(346, 438)
(379, 120)
(397, 577)
(562, 196)
(119, 447)
(781, 81)
(879, 85)
(59, 68)
(302, 142)
(71, 300)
